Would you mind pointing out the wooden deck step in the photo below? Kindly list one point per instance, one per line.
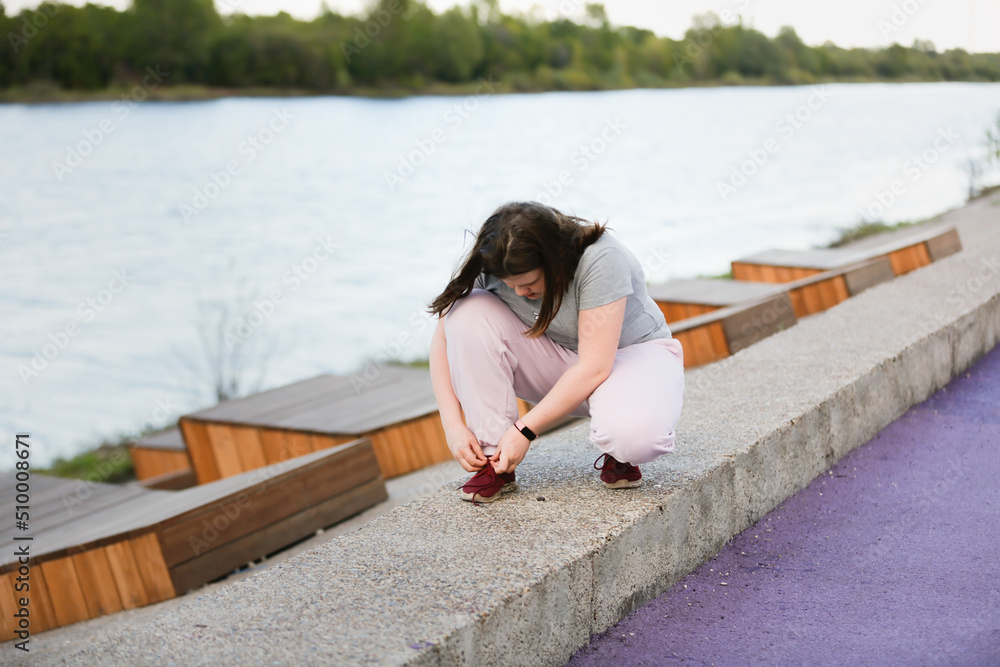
(906, 249)
(811, 294)
(393, 406)
(125, 546)
(160, 454)
(725, 331)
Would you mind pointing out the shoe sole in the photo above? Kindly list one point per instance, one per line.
(476, 498)
(623, 484)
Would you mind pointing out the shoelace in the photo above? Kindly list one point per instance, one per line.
(609, 462)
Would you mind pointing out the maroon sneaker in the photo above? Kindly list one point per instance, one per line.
(486, 485)
(617, 475)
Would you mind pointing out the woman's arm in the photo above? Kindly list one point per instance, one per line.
(461, 441)
(599, 333)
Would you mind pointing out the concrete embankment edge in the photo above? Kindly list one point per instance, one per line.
(528, 579)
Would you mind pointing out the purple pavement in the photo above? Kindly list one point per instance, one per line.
(892, 557)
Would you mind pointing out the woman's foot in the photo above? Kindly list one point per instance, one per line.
(487, 485)
(617, 475)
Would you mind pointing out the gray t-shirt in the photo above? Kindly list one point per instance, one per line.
(607, 271)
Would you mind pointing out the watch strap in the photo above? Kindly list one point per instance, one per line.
(528, 433)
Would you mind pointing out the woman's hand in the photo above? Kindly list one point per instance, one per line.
(510, 451)
(464, 446)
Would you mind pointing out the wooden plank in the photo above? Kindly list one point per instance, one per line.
(100, 592)
(868, 275)
(250, 448)
(402, 438)
(64, 590)
(227, 455)
(297, 443)
(741, 270)
(172, 481)
(909, 259)
(43, 615)
(273, 445)
(227, 521)
(811, 299)
(758, 321)
(150, 463)
(131, 589)
(942, 245)
(8, 607)
(394, 443)
(200, 450)
(385, 456)
(839, 290)
(223, 560)
(703, 344)
(152, 568)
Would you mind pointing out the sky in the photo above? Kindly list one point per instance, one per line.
(973, 25)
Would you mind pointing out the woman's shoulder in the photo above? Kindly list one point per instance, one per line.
(606, 244)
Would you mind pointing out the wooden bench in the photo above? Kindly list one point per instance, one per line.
(684, 298)
(161, 460)
(100, 548)
(395, 408)
(809, 295)
(725, 331)
(906, 250)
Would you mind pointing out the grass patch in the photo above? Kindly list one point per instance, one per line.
(109, 463)
(412, 363)
(728, 275)
(863, 229)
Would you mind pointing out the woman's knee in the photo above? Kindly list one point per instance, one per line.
(633, 437)
(477, 311)
(473, 306)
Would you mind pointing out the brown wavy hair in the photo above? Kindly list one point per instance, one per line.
(520, 237)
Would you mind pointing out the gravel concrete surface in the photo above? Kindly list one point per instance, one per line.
(890, 558)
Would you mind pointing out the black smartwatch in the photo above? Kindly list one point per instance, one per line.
(528, 433)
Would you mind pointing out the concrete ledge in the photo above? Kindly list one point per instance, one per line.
(526, 580)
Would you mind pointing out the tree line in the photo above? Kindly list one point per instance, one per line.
(403, 44)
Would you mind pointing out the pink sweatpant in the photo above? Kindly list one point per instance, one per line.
(632, 413)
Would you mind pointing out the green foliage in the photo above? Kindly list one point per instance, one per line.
(404, 44)
(863, 229)
(109, 463)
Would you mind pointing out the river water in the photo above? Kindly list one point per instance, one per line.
(324, 225)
